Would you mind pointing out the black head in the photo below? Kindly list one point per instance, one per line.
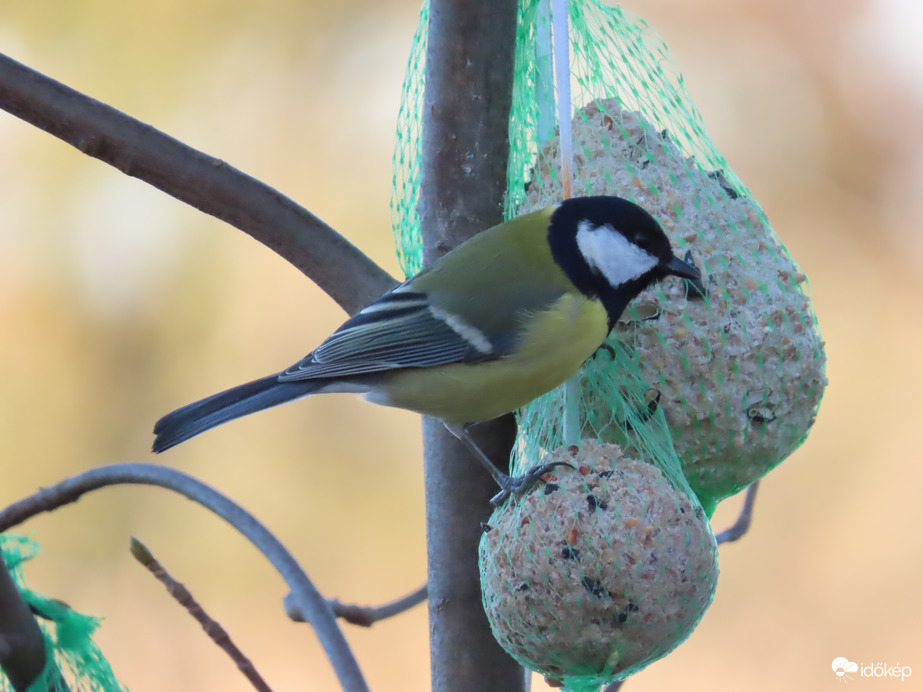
(612, 249)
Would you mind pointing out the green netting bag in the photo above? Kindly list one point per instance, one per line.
(72, 657)
(698, 393)
(740, 373)
(405, 188)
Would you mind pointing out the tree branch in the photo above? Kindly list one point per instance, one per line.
(465, 149)
(22, 646)
(212, 627)
(742, 525)
(308, 599)
(208, 184)
(365, 616)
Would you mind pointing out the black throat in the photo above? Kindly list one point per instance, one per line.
(562, 238)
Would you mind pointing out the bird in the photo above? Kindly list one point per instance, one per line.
(494, 323)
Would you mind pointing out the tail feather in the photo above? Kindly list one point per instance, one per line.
(197, 417)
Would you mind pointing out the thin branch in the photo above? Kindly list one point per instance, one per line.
(212, 627)
(365, 616)
(22, 646)
(742, 525)
(308, 599)
(208, 184)
(368, 616)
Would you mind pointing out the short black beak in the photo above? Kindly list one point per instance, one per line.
(678, 267)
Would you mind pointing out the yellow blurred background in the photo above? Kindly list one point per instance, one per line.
(118, 304)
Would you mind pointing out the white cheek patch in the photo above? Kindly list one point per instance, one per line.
(612, 254)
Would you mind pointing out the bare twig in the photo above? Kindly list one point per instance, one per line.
(208, 184)
(368, 616)
(212, 627)
(742, 525)
(308, 599)
(365, 616)
(22, 646)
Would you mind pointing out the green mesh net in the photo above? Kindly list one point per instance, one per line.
(697, 393)
(405, 192)
(72, 655)
(740, 373)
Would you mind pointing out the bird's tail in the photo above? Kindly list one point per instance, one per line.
(195, 418)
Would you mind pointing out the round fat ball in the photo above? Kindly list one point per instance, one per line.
(600, 570)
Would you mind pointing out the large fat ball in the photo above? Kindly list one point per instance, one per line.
(599, 571)
(738, 371)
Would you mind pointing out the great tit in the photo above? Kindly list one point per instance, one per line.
(498, 321)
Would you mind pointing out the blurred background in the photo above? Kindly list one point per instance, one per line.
(118, 304)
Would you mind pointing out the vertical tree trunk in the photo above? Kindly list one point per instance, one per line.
(469, 75)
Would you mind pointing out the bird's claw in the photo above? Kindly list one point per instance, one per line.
(517, 486)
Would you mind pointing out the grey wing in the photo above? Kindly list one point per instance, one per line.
(400, 330)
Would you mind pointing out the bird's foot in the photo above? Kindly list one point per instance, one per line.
(517, 486)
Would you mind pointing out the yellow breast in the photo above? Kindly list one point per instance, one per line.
(554, 346)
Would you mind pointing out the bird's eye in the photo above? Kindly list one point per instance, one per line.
(642, 241)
